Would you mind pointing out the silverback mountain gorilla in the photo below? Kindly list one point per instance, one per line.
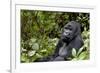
(70, 38)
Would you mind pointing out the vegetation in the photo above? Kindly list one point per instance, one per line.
(40, 32)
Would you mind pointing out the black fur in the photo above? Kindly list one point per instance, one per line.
(70, 38)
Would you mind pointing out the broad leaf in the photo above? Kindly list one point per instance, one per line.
(82, 56)
(74, 52)
(35, 46)
(31, 53)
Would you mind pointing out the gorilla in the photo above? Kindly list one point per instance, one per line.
(70, 38)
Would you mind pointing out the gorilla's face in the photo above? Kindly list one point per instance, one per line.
(69, 31)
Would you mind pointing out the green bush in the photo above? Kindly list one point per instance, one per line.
(40, 32)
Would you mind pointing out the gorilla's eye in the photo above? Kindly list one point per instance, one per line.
(68, 28)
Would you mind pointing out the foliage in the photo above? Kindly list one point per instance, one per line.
(40, 32)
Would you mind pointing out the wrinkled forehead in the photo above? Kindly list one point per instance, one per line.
(71, 25)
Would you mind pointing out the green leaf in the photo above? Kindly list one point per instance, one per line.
(33, 40)
(74, 52)
(80, 50)
(38, 55)
(74, 59)
(35, 46)
(44, 50)
(23, 50)
(23, 57)
(31, 53)
(82, 56)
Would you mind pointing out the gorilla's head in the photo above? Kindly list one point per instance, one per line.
(70, 31)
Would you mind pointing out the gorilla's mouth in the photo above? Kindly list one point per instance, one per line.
(66, 38)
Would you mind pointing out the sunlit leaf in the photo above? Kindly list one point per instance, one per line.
(38, 55)
(74, 59)
(31, 53)
(73, 52)
(23, 57)
(35, 46)
(80, 50)
(44, 50)
(33, 40)
(23, 50)
(82, 56)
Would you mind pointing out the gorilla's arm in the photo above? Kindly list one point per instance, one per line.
(54, 55)
(59, 45)
(77, 43)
